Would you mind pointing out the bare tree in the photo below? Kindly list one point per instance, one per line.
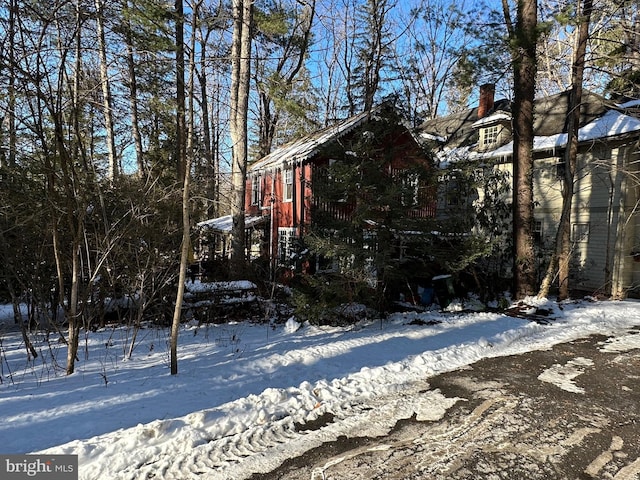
(184, 173)
(276, 80)
(616, 47)
(11, 84)
(132, 79)
(555, 48)
(210, 169)
(107, 100)
(334, 42)
(74, 208)
(561, 256)
(434, 55)
(180, 93)
(358, 47)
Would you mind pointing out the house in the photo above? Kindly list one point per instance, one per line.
(282, 188)
(604, 221)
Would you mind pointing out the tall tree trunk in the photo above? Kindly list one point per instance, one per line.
(107, 100)
(73, 210)
(75, 221)
(240, 78)
(185, 161)
(267, 124)
(216, 134)
(209, 163)
(73, 313)
(524, 39)
(13, 10)
(180, 95)
(374, 57)
(133, 103)
(561, 257)
(348, 54)
(190, 125)
(184, 263)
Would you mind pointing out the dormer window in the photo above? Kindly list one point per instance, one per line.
(493, 130)
(490, 135)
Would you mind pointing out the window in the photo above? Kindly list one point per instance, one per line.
(602, 153)
(490, 135)
(580, 232)
(256, 190)
(537, 231)
(286, 245)
(287, 185)
(453, 192)
(410, 189)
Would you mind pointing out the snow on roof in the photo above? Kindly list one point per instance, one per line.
(432, 137)
(225, 223)
(451, 156)
(306, 147)
(611, 124)
(494, 118)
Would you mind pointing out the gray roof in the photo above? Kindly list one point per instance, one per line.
(550, 115)
(224, 224)
(310, 145)
(457, 129)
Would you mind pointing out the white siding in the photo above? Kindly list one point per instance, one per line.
(607, 187)
(603, 261)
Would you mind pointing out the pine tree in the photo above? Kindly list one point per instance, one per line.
(616, 47)
(364, 217)
(282, 41)
(523, 37)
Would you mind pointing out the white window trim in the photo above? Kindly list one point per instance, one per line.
(286, 237)
(287, 188)
(412, 183)
(256, 190)
(538, 229)
(490, 135)
(580, 232)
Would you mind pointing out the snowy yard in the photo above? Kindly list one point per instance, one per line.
(249, 396)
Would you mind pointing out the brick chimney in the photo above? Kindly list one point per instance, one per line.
(487, 92)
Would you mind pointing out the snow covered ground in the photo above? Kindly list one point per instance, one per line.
(249, 396)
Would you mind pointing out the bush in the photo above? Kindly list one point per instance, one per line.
(330, 299)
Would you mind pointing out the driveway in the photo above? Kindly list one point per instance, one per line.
(572, 412)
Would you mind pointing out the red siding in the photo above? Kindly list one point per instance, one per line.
(297, 212)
